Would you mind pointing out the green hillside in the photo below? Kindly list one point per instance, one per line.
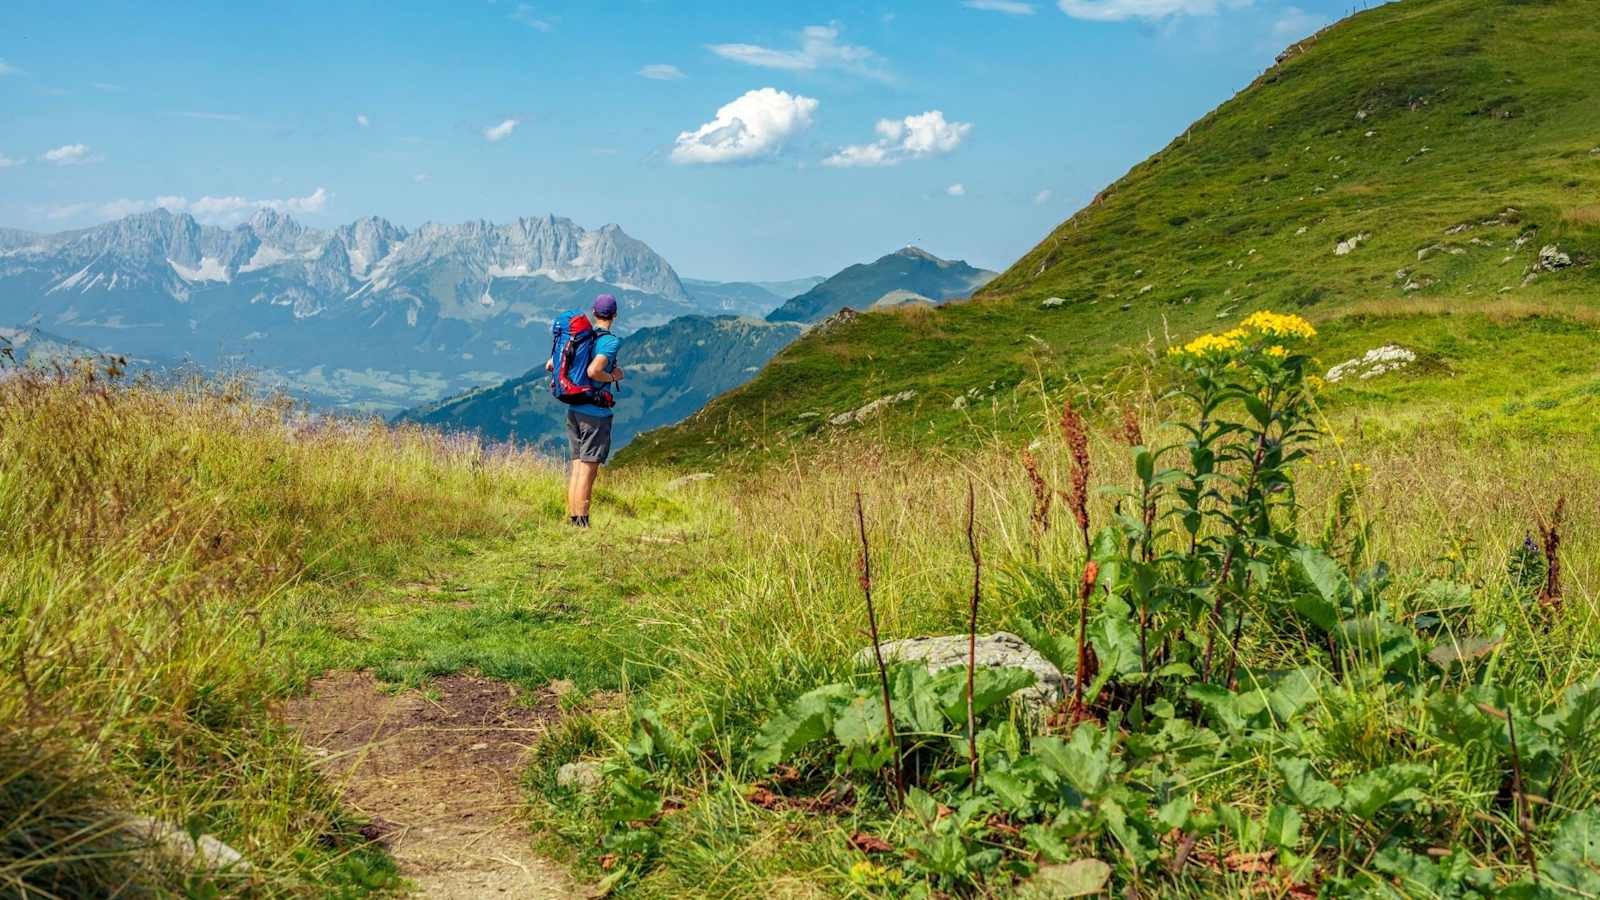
(1396, 179)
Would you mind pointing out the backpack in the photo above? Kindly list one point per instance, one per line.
(572, 340)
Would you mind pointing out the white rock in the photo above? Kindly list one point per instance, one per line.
(1551, 258)
(993, 651)
(1053, 301)
(205, 851)
(871, 409)
(1374, 362)
(1347, 246)
(581, 776)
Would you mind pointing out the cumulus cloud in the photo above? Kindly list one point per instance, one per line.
(362, 120)
(818, 48)
(215, 210)
(755, 126)
(1122, 10)
(526, 14)
(1042, 197)
(661, 72)
(956, 190)
(913, 137)
(69, 155)
(1295, 23)
(1009, 7)
(500, 132)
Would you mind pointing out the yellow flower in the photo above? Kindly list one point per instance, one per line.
(1212, 345)
(1278, 325)
(1276, 351)
(871, 874)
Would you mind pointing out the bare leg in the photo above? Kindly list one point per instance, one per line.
(572, 489)
(583, 475)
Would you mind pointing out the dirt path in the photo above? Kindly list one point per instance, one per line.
(439, 777)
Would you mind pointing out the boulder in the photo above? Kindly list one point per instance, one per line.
(1551, 258)
(996, 650)
(581, 776)
(1053, 301)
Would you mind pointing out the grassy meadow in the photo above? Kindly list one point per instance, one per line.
(176, 561)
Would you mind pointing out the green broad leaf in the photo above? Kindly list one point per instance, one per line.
(1294, 692)
(633, 797)
(1131, 832)
(1011, 789)
(1283, 827)
(1115, 637)
(1368, 793)
(916, 702)
(1305, 788)
(1177, 670)
(1085, 761)
(1257, 408)
(1224, 705)
(809, 718)
(1459, 651)
(1079, 878)
(1332, 591)
(1051, 842)
(1062, 652)
(1576, 718)
(1175, 812)
(922, 805)
(1573, 862)
(989, 686)
(1144, 465)
(860, 722)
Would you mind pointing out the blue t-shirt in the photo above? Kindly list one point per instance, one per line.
(607, 345)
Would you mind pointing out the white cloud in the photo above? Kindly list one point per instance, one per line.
(1295, 23)
(7, 162)
(420, 177)
(215, 210)
(755, 126)
(956, 190)
(106, 86)
(1042, 197)
(819, 48)
(661, 72)
(913, 137)
(500, 132)
(362, 120)
(528, 16)
(1122, 10)
(6, 69)
(1009, 7)
(69, 155)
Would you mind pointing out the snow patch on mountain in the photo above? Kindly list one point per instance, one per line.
(210, 269)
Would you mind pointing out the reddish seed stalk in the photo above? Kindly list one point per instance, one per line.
(877, 653)
(972, 637)
(1550, 594)
(1077, 438)
(1041, 501)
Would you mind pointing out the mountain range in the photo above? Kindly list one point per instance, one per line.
(675, 368)
(369, 315)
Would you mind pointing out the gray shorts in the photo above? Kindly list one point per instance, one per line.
(589, 436)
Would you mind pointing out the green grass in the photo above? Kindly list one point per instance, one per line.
(1212, 224)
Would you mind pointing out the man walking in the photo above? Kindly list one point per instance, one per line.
(589, 423)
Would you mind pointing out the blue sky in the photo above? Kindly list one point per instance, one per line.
(846, 129)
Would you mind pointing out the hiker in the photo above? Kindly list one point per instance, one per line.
(583, 356)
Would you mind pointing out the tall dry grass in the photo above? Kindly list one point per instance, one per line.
(158, 550)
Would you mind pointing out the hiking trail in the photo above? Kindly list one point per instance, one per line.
(438, 771)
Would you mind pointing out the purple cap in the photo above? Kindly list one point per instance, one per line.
(605, 306)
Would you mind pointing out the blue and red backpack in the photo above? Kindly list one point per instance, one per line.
(572, 339)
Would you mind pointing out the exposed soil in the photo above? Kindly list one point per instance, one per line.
(438, 777)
